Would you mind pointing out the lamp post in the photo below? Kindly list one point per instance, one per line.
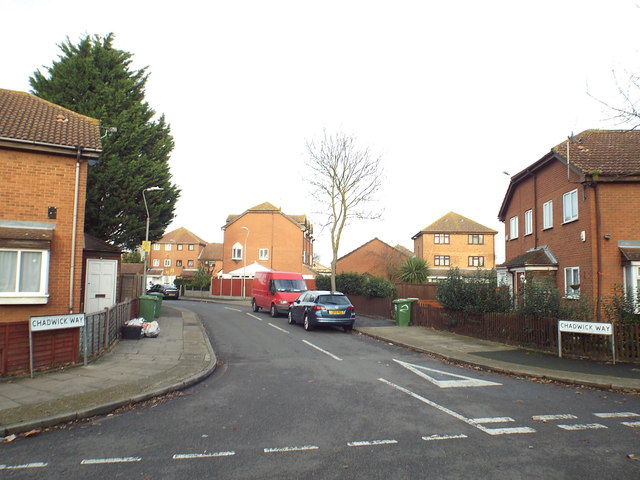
(146, 237)
(244, 268)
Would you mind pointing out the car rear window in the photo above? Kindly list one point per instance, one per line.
(333, 300)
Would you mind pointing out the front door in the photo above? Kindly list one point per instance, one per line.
(101, 284)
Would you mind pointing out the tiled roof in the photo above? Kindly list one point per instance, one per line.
(181, 235)
(631, 254)
(455, 223)
(540, 256)
(301, 220)
(26, 118)
(610, 152)
(213, 251)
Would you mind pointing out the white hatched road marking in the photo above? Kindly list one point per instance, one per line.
(492, 420)
(191, 456)
(617, 415)
(577, 427)
(443, 437)
(371, 443)
(322, 350)
(468, 421)
(277, 328)
(548, 418)
(233, 309)
(302, 448)
(254, 316)
(102, 461)
(24, 466)
(631, 424)
(461, 383)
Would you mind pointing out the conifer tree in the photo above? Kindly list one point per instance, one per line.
(93, 78)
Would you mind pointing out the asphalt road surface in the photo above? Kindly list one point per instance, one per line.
(290, 404)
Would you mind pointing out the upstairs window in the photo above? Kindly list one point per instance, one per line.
(441, 238)
(570, 206)
(236, 252)
(264, 254)
(167, 262)
(156, 262)
(180, 246)
(513, 228)
(547, 214)
(156, 246)
(476, 239)
(191, 246)
(167, 247)
(528, 222)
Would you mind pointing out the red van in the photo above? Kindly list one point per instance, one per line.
(275, 291)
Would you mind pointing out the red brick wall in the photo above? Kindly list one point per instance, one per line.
(375, 258)
(32, 182)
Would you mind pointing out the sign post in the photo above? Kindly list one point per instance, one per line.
(55, 322)
(592, 328)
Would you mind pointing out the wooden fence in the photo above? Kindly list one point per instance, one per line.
(530, 332)
(103, 328)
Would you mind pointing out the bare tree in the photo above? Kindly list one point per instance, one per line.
(628, 111)
(344, 180)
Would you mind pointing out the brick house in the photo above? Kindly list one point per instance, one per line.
(454, 241)
(44, 155)
(574, 215)
(374, 257)
(272, 240)
(180, 253)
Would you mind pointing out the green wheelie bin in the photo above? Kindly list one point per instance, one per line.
(403, 310)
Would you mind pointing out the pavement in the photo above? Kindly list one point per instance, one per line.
(182, 355)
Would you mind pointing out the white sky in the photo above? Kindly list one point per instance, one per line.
(449, 93)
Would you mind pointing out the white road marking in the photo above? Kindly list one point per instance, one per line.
(443, 437)
(101, 461)
(371, 443)
(462, 383)
(617, 415)
(254, 316)
(492, 420)
(548, 418)
(24, 466)
(303, 448)
(631, 424)
(322, 350)
(234, 309)
(468, 421)
(190, 456)
(277, 327)
(589, 426)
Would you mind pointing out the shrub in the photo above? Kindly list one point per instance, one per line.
(380, 287)
(414, 270)
(539, 298)
(357, 284)
(476, 295)
(621, 307)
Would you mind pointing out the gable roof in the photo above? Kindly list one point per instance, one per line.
(402, 250)
(213, 251)
(301, 220)
(30, 121)
(539, 256)
(605, 155)
(455, 223)
(181, 235)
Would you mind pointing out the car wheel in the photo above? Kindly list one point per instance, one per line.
(274, 312)
(290, 318)
(254, 307)
(307, 325)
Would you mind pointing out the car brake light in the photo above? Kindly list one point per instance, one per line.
(319, 307)
(351, 308)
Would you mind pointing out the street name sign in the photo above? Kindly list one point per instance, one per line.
(56, 322)
(591, 328)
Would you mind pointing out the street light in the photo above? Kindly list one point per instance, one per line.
(244, 268)
(146, 237)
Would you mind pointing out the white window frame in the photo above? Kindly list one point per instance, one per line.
(17, 297)
(570, 206)
(156, 262)
(236, 251)
(513, 227)
(263, 254)
(191, 247)
(547, 215)
(167, 262)
(528, 222)
(189, 263)
(180, 247)
(571, 275)
(156, 246)
(167, 247)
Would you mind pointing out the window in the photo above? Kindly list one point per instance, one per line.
(441, 260)
(24, 276)
(180, 247)
(189, 263)
(528, 222)
(167, 262)
(236, 252)
(264, 254)
(156, 262)
(476, 261)
(572, 282)
(191, 246)
(547, 214)
(475, 239)
(178, 263)
(513, 228)
(442, 238)
(156, 246)
(570, 206)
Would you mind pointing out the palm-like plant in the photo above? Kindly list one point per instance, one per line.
(414, 270)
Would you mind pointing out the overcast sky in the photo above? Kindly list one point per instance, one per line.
(450, 94)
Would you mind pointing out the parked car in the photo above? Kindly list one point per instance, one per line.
(168, 291)
(320, 307)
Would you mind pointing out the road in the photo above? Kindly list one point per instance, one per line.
(286, 403)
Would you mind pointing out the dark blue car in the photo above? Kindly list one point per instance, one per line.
(319, 307)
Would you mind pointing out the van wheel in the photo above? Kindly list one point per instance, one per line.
(254, 307)
(274, 312)
(290, 317)
(307, 325)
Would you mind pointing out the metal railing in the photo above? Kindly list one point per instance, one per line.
(103, 328)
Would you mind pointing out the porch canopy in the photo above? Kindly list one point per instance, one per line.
(248, 272)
